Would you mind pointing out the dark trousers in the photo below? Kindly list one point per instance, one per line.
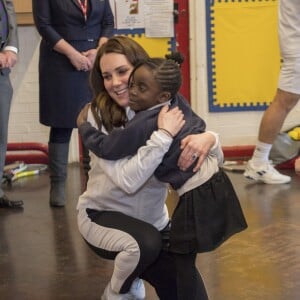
(6, 93)
(175, 277)
(146, 236)
(60, 135)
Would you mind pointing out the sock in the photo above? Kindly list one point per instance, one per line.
(261, 153)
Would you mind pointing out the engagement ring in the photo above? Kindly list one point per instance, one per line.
(194, 156)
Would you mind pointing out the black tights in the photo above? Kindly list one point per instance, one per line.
(189, 282)
(171, 270)
(60, 135)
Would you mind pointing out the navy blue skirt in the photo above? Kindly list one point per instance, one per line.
(63, 91)
(206, 216)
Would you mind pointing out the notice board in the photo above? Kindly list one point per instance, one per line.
(243, 54)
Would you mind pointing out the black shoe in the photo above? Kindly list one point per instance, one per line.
(5, 202)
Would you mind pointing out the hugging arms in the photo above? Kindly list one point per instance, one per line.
(112, 146)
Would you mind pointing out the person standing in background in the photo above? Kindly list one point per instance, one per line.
(8, 58)
(287, 96)
(71, 32)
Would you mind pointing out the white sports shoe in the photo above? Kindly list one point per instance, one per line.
(109, 294)
(265, 173)
(137, 289)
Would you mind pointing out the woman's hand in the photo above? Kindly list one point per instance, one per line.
(91, 56)
(77, 59)
(80, 61)
(170, 120)
(82, 117)
(195, 146)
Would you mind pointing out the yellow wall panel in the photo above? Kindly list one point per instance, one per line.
(245, 58)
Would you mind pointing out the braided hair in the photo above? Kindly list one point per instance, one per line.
(166, 72)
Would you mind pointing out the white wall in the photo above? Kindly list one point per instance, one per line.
(24, 125)
(235, 128)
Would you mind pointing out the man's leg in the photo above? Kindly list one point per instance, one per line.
(5, 102)
(285, 99)
(275, 115)
(258, 167)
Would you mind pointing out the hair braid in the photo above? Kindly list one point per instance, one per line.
(166, 72)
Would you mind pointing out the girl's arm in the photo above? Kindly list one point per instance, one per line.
(131, 173)
(123, 142)
(115, 145)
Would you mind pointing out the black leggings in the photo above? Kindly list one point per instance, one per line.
(60, 135)
(189, 284)
(175, 276)
(172, 270)
(139, 256)
(162, 269)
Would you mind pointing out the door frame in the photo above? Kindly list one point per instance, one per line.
(182, 45)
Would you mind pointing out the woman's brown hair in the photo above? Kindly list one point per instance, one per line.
(112, 115)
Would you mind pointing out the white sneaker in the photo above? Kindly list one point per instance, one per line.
(137, 289)
(109, 294)
(265, 173)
